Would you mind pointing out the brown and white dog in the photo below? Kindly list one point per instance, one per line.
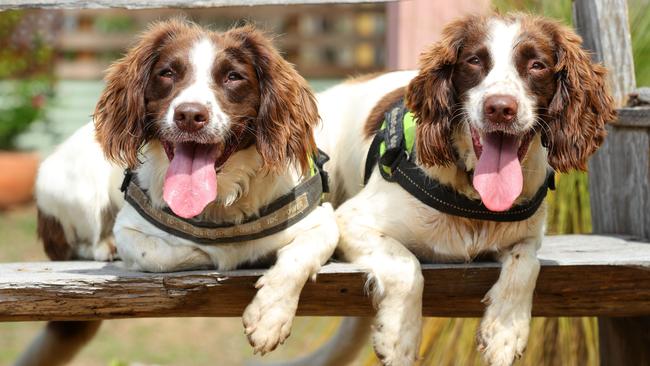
(487, 98)
(216, 126)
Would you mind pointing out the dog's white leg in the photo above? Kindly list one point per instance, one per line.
(268, 318)
(396, 285)
(148, 253)
(504, 329)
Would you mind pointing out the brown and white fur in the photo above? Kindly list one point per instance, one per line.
(239, 91)
(560, 98)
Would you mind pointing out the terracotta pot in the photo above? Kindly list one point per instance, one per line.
(17, 177)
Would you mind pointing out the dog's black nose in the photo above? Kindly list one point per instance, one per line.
(191, 117)
(500, 108)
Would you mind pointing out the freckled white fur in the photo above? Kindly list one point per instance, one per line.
(76, 185)
(503, 78)
(201, 57)
(387, 231)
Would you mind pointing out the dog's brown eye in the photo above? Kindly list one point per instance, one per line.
(474, 60)
(537, 66)
(166, 73)
(234, 76)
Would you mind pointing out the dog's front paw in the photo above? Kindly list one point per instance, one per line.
(396, 340)
(105, 250)
(396, 349)
(503, 335)
(268, 318)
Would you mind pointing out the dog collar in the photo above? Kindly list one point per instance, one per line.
(273, 218)
(393, 151)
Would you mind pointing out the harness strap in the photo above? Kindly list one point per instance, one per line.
(397, 164)
(273, 218)
(388, 144)
(442, 198)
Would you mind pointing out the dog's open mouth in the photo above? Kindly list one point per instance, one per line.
(498, 176)
(191, 179)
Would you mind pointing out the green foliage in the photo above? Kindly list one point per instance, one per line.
(21, 103)
(26, 74)
(558, 9)
(638, 13)
(114, 24)
(569, 210)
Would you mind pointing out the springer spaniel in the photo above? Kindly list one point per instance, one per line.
(497, 102)
(216, 126)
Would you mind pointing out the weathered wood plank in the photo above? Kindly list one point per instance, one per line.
(604, 27)
(581, 275)
(150, 4)
(619, 174)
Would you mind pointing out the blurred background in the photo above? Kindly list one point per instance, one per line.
(51, 65)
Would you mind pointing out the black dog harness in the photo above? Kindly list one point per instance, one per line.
(393, 150)
(273, 218)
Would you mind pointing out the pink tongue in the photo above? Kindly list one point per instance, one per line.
(191, 181)
(497, 177)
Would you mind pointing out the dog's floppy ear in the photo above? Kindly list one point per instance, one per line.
(120, 115)
(287, 112)
(581, 105)
(431, 97)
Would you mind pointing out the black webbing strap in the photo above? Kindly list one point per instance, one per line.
(430, 192)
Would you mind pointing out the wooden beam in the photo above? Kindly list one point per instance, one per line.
(619, 171)
(150, 4)
(605, 30)
(581, 275)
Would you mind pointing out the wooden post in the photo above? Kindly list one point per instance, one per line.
(619, 172)
(604, 28)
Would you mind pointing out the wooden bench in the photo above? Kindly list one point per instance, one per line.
(582, 275)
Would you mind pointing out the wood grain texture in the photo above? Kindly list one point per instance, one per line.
(150, 4)
(581, 275)
(619, 177)
(619, 172)
(603, 25)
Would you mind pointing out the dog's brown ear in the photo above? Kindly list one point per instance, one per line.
(431, 97)
(287, 112)
(581, 106)
(120, 115)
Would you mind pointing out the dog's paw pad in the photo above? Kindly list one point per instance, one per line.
(501, 344)
(396, 348)
(267, 320)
